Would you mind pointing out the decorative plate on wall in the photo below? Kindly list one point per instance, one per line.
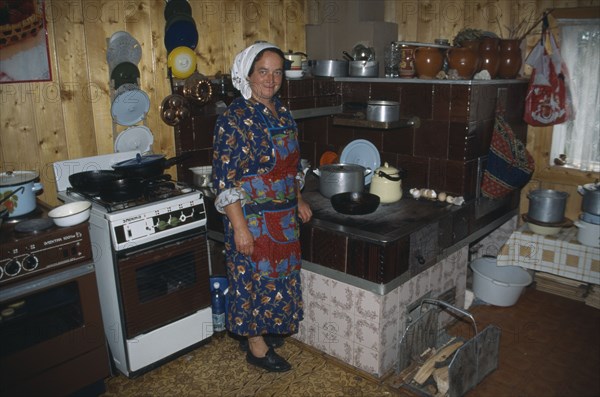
(362, 152)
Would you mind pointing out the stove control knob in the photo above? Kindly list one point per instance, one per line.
(30, 263)
(12, 267)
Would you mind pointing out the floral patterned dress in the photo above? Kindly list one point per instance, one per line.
(257, 161)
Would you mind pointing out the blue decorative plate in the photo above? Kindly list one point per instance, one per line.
(362, 152)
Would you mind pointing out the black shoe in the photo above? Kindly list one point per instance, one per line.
(272, 361)
(273, 341)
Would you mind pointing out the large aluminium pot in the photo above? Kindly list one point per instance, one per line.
(22, 186)
(329, 67)
(591, 198)
(341, 178)
(547, 205)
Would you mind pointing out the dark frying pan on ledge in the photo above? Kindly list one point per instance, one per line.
(355, 203)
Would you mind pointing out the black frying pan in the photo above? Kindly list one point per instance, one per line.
(92, 182)
(355, 203)
(124, 189)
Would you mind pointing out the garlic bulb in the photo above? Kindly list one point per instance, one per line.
(442, 196)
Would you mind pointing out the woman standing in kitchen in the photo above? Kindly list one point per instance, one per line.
(257, 173)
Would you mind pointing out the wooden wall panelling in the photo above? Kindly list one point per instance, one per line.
(212, 57)
(294, 18)
(100, 20)
(147, 24)
(255, 25)
(18, 134)
(156, 80)
(405, 15)
(72, 74)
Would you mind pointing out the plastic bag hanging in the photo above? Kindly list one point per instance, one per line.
(548, 100)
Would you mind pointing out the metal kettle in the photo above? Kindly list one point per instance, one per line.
(387, 183)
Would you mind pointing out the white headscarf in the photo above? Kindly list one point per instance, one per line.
(241, 67)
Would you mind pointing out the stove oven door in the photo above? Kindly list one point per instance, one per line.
(52, 339)
(162, 284)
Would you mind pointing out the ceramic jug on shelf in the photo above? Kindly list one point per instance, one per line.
(489, 55)
(510, 58)
(428, 62)
(464, 60)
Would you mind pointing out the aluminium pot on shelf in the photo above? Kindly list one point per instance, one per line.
(590, 202)
(329, 67)
(547, 205)
(363, 69)
(383, 111)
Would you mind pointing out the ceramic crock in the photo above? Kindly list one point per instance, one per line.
(387, 184)
(464, 60)
(23, 201)
(510, 58)
(428, 62)
(489, 55)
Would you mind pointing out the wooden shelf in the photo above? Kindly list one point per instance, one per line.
(352, 121)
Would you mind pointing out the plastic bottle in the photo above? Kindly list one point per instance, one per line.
(218, 310)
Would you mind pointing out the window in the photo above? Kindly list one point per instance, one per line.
(579, 139)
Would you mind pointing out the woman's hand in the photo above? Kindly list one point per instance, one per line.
(244, 240)
(304, 211)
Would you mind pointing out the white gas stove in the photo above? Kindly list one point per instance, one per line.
(152, 265)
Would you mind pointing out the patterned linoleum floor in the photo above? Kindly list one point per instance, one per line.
(219, 368)
(550, 346)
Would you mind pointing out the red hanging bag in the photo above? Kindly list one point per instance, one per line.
(548, 100)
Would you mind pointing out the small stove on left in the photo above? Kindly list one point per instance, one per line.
(50, 322)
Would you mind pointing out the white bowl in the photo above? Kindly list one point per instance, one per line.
(543, 230)
(71, 214)
(294, 74)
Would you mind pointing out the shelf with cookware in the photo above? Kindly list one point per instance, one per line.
(361, 122)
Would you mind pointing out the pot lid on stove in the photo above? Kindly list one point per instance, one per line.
(139, 160)
(12, 178)
(138, 138)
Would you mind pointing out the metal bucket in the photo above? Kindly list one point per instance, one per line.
(547, 206)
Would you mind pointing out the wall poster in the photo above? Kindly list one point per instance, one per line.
(24, 54)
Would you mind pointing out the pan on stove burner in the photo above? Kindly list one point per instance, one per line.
(92, 182)
(124, 189)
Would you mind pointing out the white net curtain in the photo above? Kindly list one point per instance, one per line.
(579, 139)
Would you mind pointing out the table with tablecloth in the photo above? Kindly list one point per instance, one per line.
(560, 254)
